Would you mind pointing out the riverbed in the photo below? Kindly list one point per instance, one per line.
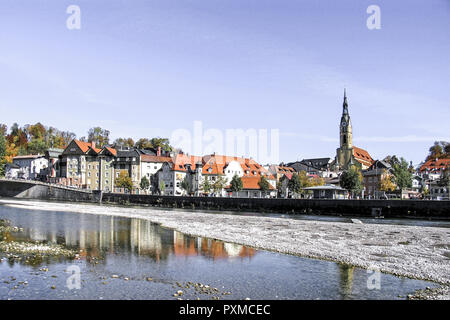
(144, 253)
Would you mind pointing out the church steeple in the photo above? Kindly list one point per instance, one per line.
(346, 126)
(345, 104)
(344, 154)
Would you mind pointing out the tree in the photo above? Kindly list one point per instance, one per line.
(145, 184)
(263, 184)
(317, 181)
(295, 184)
(205, 186)
(162, 187)
(99, 136)
(387, 182)
(402, 175)
(444, 180)
(439, 150)
(236, 184)
(2, 154)
(123, 142)
(154, 143)
(124, 181)
(351, 180)
(392, 160)
(219, 184)
(186, 185)
(143, 143)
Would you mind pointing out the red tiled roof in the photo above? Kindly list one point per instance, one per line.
(362, 156)
(435, 164)
(150, 158)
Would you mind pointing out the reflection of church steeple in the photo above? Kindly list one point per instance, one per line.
(346, 280)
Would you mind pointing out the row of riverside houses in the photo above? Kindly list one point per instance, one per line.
(82, 165)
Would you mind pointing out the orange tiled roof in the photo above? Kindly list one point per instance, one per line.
(85, 146)
(112, 150)
(252, 183)
(362, 156)
(435, 164)
(218, 163)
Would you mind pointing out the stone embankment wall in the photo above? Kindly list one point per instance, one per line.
(386, 208)
(45, 191)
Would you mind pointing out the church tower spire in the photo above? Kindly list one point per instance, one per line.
(346, 125)
(344, 154)
(345, 104)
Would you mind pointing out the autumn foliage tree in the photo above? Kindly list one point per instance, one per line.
(387, 183)
(124, 181)
(439, 150)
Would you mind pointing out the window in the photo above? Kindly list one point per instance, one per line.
(89, 167)
(89, 174)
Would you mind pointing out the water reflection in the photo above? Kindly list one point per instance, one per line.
(96, 237)
(346, 280)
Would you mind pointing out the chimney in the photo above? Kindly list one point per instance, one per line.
(93, 144)
(158, 153)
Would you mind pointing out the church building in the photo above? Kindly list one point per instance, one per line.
(347, 154)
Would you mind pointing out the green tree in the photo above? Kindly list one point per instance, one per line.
(162, 187)
(99, 136)
(123, 142)
(402, 174)
(351, 180)
(145, 183)
(124, 181)
(186, 185)
(295, 184)
(219, 184)
(263, 184)
(205, 186)
(236, 184)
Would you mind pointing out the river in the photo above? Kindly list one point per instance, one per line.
(131, 258)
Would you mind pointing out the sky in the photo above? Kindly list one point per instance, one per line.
(149, 68)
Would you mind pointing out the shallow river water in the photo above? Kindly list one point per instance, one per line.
(117, 256)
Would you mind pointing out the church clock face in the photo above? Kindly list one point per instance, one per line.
(344, 124)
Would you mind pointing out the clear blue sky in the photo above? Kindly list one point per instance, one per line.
(146, 68)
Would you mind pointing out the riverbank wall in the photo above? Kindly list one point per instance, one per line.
(44, 191)
(432, 209)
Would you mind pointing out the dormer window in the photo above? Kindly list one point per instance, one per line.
(209, 169)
